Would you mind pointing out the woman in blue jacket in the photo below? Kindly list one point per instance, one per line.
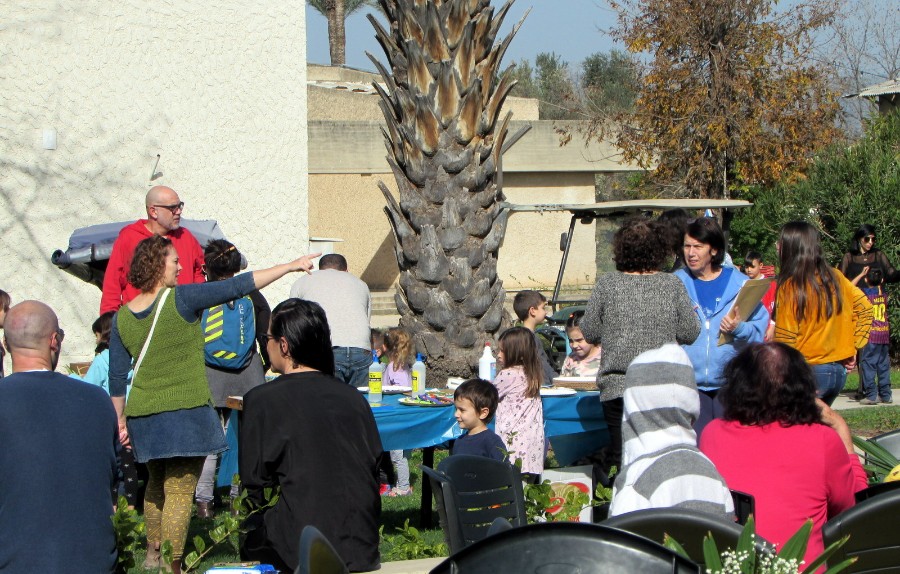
(713, 290)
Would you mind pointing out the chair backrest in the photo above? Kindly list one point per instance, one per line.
(744, 505)
(687, 527)
(317, 555)
(558, 547)
(876, 489)
(890, 441)
(484, 490)
(445, 498)
(874, 539)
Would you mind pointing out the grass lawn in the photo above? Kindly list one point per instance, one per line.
(869, 421)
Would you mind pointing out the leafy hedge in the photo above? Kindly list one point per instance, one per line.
(845, 187)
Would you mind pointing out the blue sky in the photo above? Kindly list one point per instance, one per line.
(570, 28)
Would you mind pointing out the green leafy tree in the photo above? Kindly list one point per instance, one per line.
(610, 82)
(557, 93)
(337, 12)
(522, 73)
(729, 98)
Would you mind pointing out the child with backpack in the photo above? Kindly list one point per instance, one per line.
(234, 365)
(398, 347)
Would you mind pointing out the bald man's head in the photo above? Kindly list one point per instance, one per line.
(29, 326)
(164, 209)
(160, 195)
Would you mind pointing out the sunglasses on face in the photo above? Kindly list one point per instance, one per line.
(868, 239)
(175, 208)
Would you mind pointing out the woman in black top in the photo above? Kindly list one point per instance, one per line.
(314, 437)
(863, 253)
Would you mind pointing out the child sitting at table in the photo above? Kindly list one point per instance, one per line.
(584, 360)
(399, 349)
(476, 401)
(520, 414)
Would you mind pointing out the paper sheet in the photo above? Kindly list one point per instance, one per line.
(747, 299)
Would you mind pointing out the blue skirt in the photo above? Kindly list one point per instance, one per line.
(181, 433)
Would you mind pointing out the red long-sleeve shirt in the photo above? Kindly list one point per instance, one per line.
(794, 473)
(116, 289)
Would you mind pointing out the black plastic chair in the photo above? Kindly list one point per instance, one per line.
(559, 547)
(890, 441)
(317, 555)
(473, 491)
(873, 527)
(445, 498)
(687, 527)
(876, 489)
(744, 505)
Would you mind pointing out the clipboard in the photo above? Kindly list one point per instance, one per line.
(750, 295)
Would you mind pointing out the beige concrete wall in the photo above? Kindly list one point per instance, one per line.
(217, 89)
(529, 256)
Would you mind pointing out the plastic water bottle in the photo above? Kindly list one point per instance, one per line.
(487, 364)
(375, 375)
(418, 374)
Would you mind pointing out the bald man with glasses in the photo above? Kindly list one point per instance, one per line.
(164, 209)
(58, 457)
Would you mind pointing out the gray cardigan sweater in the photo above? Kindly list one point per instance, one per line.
(630, 314)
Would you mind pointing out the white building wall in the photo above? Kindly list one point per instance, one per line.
(217, 89)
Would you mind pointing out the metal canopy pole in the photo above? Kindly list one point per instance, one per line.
(562, 264)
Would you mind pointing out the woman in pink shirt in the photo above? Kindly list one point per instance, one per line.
(782, 445)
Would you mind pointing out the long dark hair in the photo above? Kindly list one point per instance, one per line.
(520, 350)
(803, 266)
(863, 230)
(769, 383)
(304, 326)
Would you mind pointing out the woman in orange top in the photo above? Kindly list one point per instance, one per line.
(817, 310)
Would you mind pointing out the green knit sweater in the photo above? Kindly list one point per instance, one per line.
(172, 375)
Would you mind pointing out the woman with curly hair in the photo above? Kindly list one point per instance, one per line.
(631, 310)
(818, 311)
(713, 289)
(169, 419)
(779, 443)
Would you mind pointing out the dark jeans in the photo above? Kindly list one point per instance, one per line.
(710, 408)
(351, 365)
(830, 379)
(875, 362)
(612, 414)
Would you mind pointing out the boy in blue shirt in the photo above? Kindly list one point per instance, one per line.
(476, 400)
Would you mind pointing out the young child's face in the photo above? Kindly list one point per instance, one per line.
(753, 268)
(580, 347)
(467, 416)
(539, 313)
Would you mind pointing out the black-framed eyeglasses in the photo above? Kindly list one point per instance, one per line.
(175, 208)
(869, 238)
(270, 337)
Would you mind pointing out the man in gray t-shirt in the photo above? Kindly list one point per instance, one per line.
(347, 304)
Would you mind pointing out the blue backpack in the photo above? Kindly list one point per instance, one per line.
(229, 332)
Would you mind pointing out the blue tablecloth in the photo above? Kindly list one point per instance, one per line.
(574, 424)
